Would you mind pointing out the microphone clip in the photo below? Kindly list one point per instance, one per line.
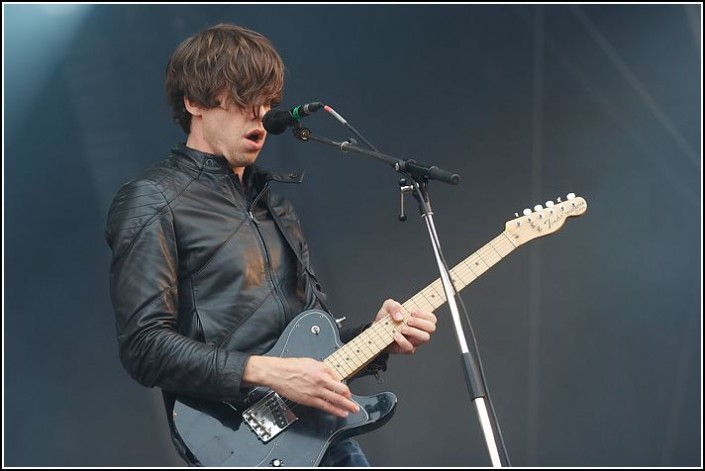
(301, 133)
(344, 145)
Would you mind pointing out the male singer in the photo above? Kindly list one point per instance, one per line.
(209, 264)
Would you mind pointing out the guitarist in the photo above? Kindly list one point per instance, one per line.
(209, 264)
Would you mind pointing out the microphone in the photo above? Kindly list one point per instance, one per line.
(276, 121)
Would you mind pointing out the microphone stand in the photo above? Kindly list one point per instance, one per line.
(420, 176)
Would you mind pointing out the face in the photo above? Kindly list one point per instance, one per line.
(236, 134)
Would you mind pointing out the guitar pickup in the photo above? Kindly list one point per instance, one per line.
(269, 416)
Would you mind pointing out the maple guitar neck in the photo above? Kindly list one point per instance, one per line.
(356, 354)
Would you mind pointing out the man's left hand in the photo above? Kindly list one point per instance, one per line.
(415, 331)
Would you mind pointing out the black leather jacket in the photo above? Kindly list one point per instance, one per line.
(190, 279)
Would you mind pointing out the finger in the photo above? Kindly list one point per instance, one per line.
(334, 380)
(339, 388)
(391, 305)
(392, 308)
(415, 336)
(427, 316)
(340, 402)
(404, 345)
(328, 407)
(421, 324)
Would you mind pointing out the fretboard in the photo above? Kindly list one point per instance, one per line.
(361, 350)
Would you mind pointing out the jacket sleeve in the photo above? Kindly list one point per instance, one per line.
(144, 292)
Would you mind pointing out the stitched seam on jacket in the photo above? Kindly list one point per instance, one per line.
(167, 205)
(197, 271)
(254, 310)
(207, 262)
(151, 301)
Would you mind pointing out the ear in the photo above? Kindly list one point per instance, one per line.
(192, 107)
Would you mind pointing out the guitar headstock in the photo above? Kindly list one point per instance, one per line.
(544, 220)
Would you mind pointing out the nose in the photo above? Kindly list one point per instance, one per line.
(259, 111)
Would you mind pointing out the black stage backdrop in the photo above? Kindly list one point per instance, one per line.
(590, 337)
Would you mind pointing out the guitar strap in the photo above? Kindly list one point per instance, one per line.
(181, 448)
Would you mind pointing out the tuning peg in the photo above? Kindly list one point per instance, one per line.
(516, 215)
(549, 204)
(538, 208)
(558, 200)
(570, 196)
(526, 212)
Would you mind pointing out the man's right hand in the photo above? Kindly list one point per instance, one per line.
(302, 380)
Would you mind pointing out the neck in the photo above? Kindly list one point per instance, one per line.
(194, 142)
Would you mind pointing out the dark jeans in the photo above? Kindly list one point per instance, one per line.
(345, 453)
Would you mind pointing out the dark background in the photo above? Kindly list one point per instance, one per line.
(590, 338)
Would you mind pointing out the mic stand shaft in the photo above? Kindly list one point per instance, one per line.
(471, 369)
(420, 175)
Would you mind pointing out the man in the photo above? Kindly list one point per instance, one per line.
(209, 265)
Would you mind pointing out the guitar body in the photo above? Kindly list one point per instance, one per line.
(267, 430)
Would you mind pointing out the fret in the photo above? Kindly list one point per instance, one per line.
(340, 366)
(478, 264)
(502, 244)
(464, 273)
(330, 363)
(364, 348)
(489, 256)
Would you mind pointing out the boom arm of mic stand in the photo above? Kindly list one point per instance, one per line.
(417, 171)
(420, 176)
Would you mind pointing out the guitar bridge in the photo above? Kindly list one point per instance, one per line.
(269, 416)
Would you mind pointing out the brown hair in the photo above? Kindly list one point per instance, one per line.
(223, 57)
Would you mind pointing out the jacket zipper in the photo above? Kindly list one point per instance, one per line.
(263, 246)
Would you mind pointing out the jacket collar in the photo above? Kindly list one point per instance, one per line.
(201, 160)
(212, 163)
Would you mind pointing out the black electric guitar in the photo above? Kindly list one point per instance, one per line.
(269, 430)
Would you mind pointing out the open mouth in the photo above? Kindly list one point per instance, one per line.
(255, 136)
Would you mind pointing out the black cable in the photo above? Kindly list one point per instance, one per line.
(436, 242)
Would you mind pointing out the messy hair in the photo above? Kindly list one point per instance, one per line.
(221, 58)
